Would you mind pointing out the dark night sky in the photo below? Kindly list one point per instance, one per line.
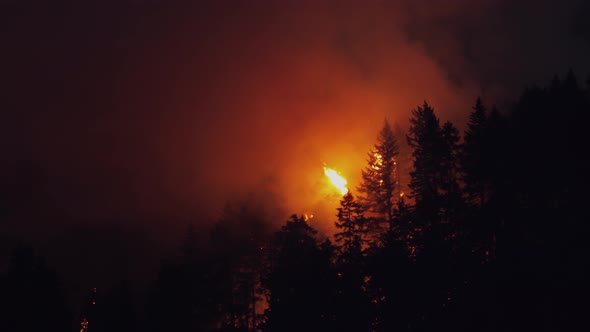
(150, 114)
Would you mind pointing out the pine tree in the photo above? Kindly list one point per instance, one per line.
(353, 229)
(426, 139)
(300, 280)
(403, 161)
(244, 228)
(451, 192)
(390, 287)
(435, 190)
(403, 218)
(351, 302)
(474, 158)
(379, 179)
(498, 141)
(483, 166)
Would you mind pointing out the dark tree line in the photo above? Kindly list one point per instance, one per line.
(490, 233)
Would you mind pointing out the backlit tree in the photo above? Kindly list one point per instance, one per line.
(379, 179)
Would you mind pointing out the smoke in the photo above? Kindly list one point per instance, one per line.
(502, 45)
(158, 111)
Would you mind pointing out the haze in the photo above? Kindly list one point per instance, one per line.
(154, 114)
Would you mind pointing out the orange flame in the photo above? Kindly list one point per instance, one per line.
(337, 180)
(378, 161)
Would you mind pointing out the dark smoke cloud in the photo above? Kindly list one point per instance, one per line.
(502, 45)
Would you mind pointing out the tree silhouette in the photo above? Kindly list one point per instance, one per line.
(379, 179)
(241, 237)
(403, 161)
(391, 283)
(425, 137)
(191, 291)
(451, 193)
(31, 295)
(299, 280)
(351, 304)
(353, 228)
(436, 213)
(475, 157)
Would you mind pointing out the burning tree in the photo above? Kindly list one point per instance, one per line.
(379, 180)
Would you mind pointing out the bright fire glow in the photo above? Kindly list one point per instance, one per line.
(337, 180)
(378, 161)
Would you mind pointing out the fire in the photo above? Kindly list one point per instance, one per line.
(378, 161)
(337, 180)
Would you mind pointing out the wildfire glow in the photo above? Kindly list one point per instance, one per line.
(378, 161)
(337, 180)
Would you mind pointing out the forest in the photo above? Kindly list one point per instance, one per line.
(484, 229)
